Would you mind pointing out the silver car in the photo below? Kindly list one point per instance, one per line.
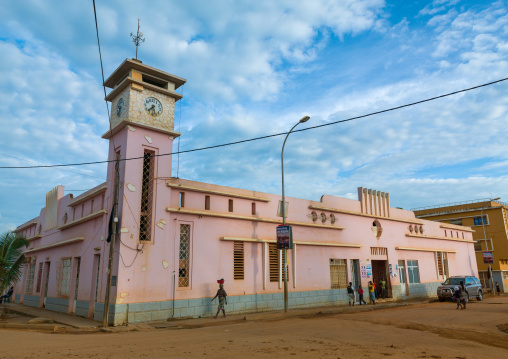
(473, 286)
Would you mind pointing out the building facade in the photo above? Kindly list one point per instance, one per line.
(489, 220)
(178, 237)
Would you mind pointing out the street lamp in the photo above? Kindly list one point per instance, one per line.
(302, 120)
(491, 280)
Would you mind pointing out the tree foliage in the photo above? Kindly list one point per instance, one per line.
(12, 258)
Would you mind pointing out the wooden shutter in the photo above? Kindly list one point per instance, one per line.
(238, 261)
(273, 255)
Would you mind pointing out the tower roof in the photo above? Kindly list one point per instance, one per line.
(123, 70)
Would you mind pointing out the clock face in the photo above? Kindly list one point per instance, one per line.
(119, 107)
(153, 106)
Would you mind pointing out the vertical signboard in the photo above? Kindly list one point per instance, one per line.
(284, 237)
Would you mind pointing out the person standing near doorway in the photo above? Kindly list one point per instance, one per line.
(351, 294)
(360, 294)
(371, 293)
(382, 284)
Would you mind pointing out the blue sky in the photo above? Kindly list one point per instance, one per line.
(254, 68)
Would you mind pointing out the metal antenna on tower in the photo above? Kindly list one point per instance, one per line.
(137, 39)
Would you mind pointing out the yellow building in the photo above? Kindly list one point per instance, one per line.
(495, 226)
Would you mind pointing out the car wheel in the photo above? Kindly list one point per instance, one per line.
(441, 299)
(480, 296)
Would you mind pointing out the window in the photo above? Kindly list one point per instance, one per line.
(442, 263)
(458, 222)
(145, 220)
(413, 273)
(338, 273)
(39, 278)
(505, 275)
(91, 207)
(478, 246)
(503, 261)
(30, 279)
(184, 256)
(63, 277)
(253, 209)
(478, 221)
(230, 205)
(238, 261)
(273, 255)
(207, 202)
(181, 199)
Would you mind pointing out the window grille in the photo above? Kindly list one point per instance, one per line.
(378, 251)
(338, 273)
(145, 221)
(39, 278)
(273, 255)
(238, 261)
(412, 271)
(64, 274)
(440, 263)
(30, 279)
(184, 257)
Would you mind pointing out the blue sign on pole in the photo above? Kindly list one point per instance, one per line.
(284, 237)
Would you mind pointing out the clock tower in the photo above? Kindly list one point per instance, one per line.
(141, 134)
(142, 96)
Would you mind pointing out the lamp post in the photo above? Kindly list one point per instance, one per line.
(491, 280)
(302, 120)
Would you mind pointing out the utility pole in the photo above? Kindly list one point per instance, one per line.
(112, 243)
(491, 280)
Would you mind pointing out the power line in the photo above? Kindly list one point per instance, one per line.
(273, 135)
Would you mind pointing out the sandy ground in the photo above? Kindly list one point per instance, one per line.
(434, 330)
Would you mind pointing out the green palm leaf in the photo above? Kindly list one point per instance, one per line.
(12, 258)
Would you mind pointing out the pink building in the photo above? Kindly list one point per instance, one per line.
(177, 237)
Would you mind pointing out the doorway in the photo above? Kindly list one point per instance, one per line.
(402, 277)
(46, 283)
(94, 293)
(78, 265)
(380, 271)
(355, 275)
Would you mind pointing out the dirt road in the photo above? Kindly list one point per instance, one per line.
(434, 330)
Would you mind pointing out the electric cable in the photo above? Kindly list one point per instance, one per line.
(273, 135)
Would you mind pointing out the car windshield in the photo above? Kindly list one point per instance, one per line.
(453, 281)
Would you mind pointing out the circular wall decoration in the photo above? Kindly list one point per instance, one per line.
(376, 228)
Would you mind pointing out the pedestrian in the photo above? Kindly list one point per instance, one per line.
(382, 283)
(375, 289)
(456, 297)
(463, 294)
(351, 294)
(360, 294)
(221, 293)
(498, 289)
(7, 297)
(371, 293)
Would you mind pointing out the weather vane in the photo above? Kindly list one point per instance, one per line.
(137, 39)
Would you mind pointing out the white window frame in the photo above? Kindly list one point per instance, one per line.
(487, 240)
(410, 271)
